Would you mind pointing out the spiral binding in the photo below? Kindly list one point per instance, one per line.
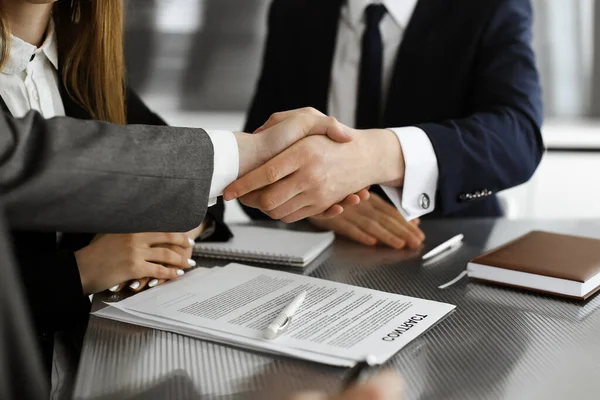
(244, 255)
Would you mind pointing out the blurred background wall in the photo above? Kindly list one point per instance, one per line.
(196, 62)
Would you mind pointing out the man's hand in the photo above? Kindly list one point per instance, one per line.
(283, 130)
(256, 150)
(383, 386)
(315, 173)
(374, 221)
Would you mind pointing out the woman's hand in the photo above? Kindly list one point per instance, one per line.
(115, 258)
(140, 284)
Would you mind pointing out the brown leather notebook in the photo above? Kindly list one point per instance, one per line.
(547, 262)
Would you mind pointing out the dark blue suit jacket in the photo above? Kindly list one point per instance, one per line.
(465, 73)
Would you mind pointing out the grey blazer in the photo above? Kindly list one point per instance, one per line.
(73, 175)
(21, 373)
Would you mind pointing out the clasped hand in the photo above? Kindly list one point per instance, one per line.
(281, 147)
(303, 173)
(305, 164)
(299, 164)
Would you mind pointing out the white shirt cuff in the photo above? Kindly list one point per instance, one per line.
(417, 196)
(226, 163)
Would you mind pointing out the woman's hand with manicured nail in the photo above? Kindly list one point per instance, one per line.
(114, 258)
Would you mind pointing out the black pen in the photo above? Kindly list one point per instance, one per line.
(357, 372)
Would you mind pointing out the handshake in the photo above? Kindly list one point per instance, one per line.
(302, 163)
(299, 164)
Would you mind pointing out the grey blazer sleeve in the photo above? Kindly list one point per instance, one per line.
(64, 174)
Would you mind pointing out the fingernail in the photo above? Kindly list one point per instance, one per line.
(153, 282)
(191, 262)
(114, 288)
(134, 285)
(191, 242)
(180, 272)
(230, 196)
(415, 243)
(399, 244)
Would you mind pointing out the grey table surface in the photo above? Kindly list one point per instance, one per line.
(500, 343)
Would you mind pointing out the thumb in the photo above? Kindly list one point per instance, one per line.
(298, 126)
(321, 125)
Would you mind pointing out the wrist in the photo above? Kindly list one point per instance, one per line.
(248, 153)
(385, 155)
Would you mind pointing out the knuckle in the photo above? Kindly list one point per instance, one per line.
(332, 120)
(131, 240)
(274, 214)
(321, 198)
(159, 272)
(314, 180)
(134, 255)
(274, 117)
(137, 268)
(272, 174)
(130, 249)
(170, 237)
(316, 156)
(167, 255)
(266, 202)
(371, 225)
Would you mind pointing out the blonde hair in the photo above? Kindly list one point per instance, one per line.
(90, 51)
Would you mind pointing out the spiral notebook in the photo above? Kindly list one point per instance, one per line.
(268, 245)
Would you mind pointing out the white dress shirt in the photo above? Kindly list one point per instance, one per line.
(29, 81)
(417, 196)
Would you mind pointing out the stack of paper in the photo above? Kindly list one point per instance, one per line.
(337, 324)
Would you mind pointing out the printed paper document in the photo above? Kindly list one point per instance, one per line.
(337, 324)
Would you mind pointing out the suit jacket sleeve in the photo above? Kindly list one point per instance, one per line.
(67, 175)
(139, 113)
(500, 145)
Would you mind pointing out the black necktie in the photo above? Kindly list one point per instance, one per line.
(368, 106)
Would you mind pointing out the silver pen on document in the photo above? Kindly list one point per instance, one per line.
(283, 320)
(447, 245)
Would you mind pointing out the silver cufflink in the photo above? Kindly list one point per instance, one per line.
(425, 201)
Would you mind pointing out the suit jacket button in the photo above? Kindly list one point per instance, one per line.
(425, 202)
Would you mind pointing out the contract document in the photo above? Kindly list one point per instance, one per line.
(337, 324)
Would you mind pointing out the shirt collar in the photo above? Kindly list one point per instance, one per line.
(400, 10)
(21, 52)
